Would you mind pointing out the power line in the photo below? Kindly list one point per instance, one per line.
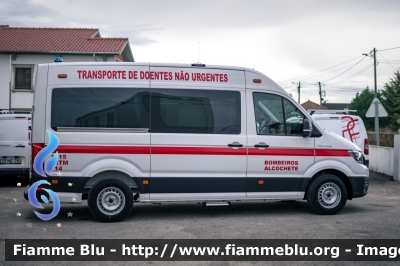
(342, 92)
(341, 88)
(351, 77)
(322, 73)
(345, 70)
(389, 49)
(345, 88)
(318, 71)
(387, 61)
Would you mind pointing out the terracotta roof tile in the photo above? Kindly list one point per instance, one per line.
(61, 40)
(312, 105)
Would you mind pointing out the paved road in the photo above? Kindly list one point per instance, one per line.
(375, 216)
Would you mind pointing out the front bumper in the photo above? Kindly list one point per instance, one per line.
(18, 172)
(360, 186)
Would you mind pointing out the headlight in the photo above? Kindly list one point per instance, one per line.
(357, 155)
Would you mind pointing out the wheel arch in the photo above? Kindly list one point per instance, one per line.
(131, 182)
(335, 172)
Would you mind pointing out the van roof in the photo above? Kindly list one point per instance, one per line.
(332, 115)
(177, 65)
(14, 116)
(160, 74)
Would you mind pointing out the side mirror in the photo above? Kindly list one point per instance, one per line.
(307, 128)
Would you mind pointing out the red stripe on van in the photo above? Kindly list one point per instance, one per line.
(163, 150)
(281, 152)
(104, 149)
(198, 150)
(330, 153)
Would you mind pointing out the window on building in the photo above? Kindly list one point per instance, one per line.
(23, 78)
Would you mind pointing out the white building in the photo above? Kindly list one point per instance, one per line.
(21, 49)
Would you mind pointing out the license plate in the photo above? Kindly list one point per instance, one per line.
(10, 160)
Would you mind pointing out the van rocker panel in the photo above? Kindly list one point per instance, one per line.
(74, 184)
(14, 171)
(222, 184)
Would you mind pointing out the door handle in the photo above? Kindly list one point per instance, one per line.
(261, 145)
(235, 144)
(20, 146)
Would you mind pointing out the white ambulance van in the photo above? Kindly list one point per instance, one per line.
(345, 124)
(148, 132)
(14, 145)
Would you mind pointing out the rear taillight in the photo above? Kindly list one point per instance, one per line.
(36, 148)
(366, 147)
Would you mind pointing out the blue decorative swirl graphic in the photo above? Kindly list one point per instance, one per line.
(32, 199)
(49, 167)
(42, 155)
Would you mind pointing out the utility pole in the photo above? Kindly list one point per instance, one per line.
(320, 93)
(198, 48)
(298, 92)
(376, 104)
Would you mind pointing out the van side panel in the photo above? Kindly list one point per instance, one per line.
(39, 105)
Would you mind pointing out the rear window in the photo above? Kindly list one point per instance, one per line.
(100, 107)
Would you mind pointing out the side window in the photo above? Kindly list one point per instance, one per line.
(100, 107)
(276, 115)
(195, 111)
(269, 114)
(294, 118)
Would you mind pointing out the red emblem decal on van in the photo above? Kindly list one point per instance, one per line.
(349, 128)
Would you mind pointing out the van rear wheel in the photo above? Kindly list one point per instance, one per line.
(327, 195)
(110, 200)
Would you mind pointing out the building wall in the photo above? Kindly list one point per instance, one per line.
(5, 72)
(24, 99)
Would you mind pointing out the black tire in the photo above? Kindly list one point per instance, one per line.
(327, 195)
(110, 200)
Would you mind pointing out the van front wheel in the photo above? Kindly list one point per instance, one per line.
(327, 195)
(110, 200)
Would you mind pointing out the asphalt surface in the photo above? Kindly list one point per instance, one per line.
(376, 216)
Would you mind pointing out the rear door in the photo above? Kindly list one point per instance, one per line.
(14, 142)
(198, 135)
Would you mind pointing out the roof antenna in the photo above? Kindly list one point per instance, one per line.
(198, 48)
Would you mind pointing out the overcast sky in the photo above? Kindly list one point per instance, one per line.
(286, 40)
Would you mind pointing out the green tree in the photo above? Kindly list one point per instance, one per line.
(361, 103)
(391, 100)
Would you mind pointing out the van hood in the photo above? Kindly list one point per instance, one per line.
(336, 142)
